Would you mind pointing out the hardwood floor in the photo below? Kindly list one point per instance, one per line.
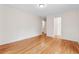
(41, 45)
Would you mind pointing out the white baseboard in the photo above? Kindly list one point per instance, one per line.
(7, 42)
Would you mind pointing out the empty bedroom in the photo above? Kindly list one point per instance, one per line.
(39, 28)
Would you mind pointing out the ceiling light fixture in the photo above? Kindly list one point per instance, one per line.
(41, 5)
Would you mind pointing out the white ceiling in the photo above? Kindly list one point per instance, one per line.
(50, 9)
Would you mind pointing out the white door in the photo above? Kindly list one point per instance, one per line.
(57, 25)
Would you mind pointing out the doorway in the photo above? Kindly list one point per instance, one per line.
(44, 26)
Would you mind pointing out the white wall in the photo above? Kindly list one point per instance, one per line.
(17, 25)
(70, 25)
(2, 24)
